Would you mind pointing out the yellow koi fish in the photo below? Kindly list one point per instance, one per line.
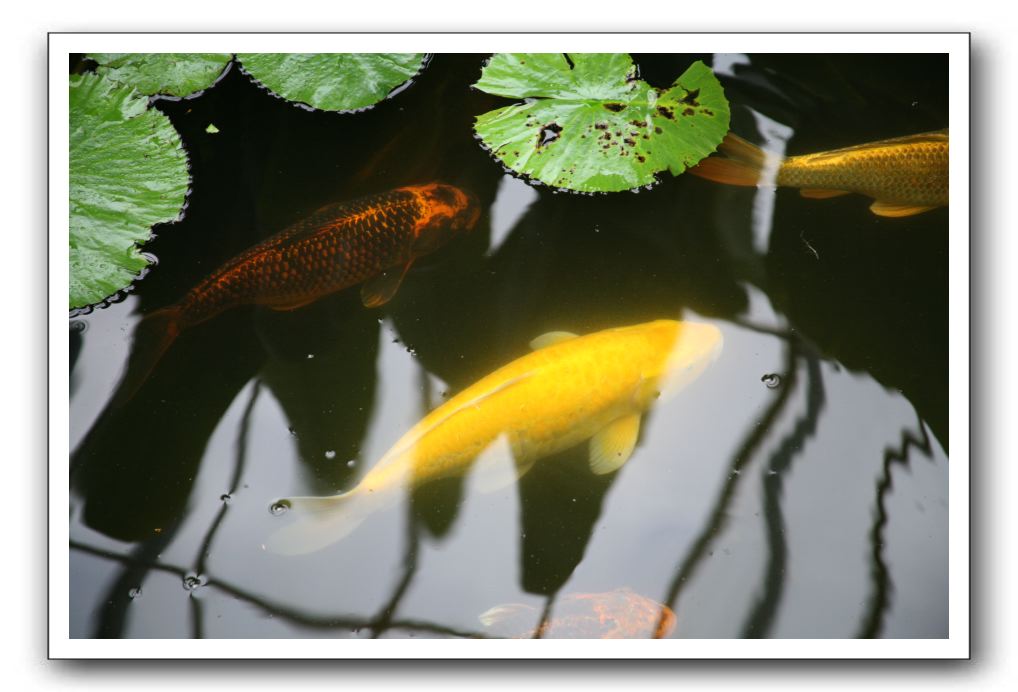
(569, 389)
(906, 175)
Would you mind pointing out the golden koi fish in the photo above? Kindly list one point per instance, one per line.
(569, 389)
(905, 176)
(373, 240)
(618, 614)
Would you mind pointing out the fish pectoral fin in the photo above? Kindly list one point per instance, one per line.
(380, 289)
(820, 193)
(550, 339)
(496, 468)
(611, 447)
(892, 209)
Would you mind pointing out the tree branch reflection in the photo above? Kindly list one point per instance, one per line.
(761, 618)
(276, 610)
(113, 618)
(384, 617)
(718, 518)
(880, 599)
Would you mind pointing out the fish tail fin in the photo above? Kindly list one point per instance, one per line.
(742, 163)
(153, 335)
(314, 523)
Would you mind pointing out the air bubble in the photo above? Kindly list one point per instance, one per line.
(279, 507)
(310, 356)
(330, 454)
(350, 464)
(771, 380)
(194, 581)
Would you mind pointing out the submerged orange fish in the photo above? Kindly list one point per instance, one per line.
(374, 239)
(618, 614)
(905, 176)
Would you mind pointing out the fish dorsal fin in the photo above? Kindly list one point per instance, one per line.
(743, 150)
(892, 209)
(922, 138)
(550, 339)
(611, 447)
(817, 193)
(442, 414)
(380, 289)
(320, 221)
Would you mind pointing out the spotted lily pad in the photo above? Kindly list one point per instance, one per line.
(333, 81)
(128, 171)
(588, 124)
(171, 74)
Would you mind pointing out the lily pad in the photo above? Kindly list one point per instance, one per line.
(332, 81)
(171, 74)
(128, 171)
(588, 124)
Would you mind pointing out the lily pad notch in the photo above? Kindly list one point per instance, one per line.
(588, 124)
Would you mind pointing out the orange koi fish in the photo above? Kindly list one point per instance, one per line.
(618, 614)
(905, 176)
(374, 240)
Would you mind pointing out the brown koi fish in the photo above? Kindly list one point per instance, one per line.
(905, 176)
(373, 240)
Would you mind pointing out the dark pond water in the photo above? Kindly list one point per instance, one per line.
(798, 488)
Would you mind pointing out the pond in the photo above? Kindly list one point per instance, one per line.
(796, 488)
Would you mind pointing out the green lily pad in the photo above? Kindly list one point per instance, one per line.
(589, 125)
(171, 74)
(332, 81)
(128, 171)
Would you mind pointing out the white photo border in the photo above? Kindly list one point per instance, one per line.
(955, 646)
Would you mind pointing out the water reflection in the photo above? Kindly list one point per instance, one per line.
(713, 527)
(320, 367)
(880, 598)
(344, 622)
(761, 618)
(133, 486)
